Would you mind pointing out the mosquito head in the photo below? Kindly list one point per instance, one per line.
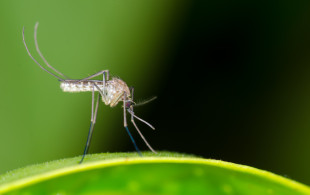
(129, 104)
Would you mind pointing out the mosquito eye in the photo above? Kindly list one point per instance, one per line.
(128, 104)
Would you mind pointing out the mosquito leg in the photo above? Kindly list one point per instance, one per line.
(41, 55)
(105, 77)
(132, 97)
(145, 141)
(133, 122)
(140, 119)
(126, 127)
(103, 72)
(92, 123)
(61, 79)
(98, 88)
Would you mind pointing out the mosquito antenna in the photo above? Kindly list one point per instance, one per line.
(41, 55)
(140, 119)
(36, 60)
(145, 102)
(145, 141)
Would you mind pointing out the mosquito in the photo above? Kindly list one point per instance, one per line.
(112, 91)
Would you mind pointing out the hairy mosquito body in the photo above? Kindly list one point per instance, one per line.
(112, 91)
(76, 86)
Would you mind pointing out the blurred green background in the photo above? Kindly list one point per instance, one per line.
(232, 79)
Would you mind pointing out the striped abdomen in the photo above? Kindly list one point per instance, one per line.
(75, 86)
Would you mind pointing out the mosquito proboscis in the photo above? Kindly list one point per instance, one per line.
(112, 91)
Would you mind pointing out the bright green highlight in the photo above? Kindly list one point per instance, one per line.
(127, 173)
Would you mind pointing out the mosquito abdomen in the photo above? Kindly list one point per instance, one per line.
(76, 86)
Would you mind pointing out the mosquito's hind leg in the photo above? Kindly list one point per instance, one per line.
(92, 121)
(41, 55)
(61, 79)
(105, 74)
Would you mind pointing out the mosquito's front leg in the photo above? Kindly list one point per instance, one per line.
(126, 127)
(130, 110)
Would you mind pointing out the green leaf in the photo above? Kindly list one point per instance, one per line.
(127, 173)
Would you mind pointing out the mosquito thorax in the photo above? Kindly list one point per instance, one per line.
(114, 91)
